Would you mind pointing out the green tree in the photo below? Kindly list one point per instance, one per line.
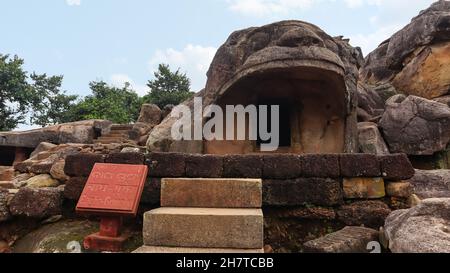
(35, 97)
(51, 105)
(168, 87)
(15, 93)
(119, 105)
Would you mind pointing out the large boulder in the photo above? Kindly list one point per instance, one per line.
(370, 101)
(151, 114)
(415, 60)
(422, 229)
(277, 53)
(370, 139)
(416, 126)
(431, 184)
(76, 132)
(428, 73)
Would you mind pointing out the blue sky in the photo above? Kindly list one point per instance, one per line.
(118, 40)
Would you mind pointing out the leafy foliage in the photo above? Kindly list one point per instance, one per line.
(39, 100)
(119, 105)
(168, 87)
(51, 105)
(36, 97)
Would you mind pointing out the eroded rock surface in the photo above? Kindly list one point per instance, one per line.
(422, 229)
(415, 60)
(431, 184)
(416, 126)
(289, 56)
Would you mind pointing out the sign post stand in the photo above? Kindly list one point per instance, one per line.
(110, 237)
(112, 192)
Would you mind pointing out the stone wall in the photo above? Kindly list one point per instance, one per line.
(305, 196)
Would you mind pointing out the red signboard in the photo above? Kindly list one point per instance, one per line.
(113, 189)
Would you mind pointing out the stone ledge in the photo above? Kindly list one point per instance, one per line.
(160, 249)
(204, 228)
(280, 166)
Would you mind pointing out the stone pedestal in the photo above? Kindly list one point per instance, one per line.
(110, 237)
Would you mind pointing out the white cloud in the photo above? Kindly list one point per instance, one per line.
(261, 8)
(73, 2)
(194, 60)
(268, 7)
(369, 42)
(391, 17)
(119, 80)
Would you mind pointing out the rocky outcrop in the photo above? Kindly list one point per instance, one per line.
(416, 126)
(370, 102)
(150, 114)
(428, 73)
(422, 229)
(415, 60)
(76, 132)
(431, 184)
(290, 47)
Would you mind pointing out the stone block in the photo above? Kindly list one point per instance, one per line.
(364, 188)
(151, 194)
(125, 158)
(302, 191)
(401, 189)
(166, 164)
(204, 228)
(364, 213)
(37, 203)
(80, 165)
(282, 166)
(243, 166)
(187, 250)
(320, 165)
(359, 165)
(396, 167)
(211, 193)
(204, 166)
(74, 187)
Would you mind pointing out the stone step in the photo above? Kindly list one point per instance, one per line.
(161, 249)
(204, 228)
(112, 138)
(125, 132)
(211, 193)
(115, 135)
(122, 127)
(347, 240)
(113, 141)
